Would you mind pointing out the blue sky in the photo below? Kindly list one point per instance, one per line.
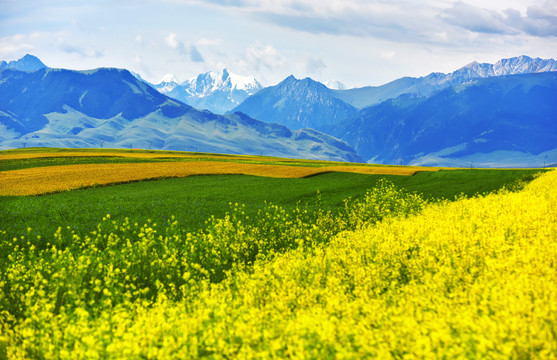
(357, 42)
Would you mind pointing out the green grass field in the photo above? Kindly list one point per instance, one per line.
(193, 199)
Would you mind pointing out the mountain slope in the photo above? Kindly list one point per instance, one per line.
(428, 85)
(507, 120)
(101, 93)
(297, 104)
(218, 92)
(111, 108)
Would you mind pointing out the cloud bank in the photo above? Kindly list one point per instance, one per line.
(540, 21)
(403, 20)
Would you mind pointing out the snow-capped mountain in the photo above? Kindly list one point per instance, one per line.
(26, 63)
(206, 84)
(167, 84)
(434, 82)
(112, 108)
(217, 92)
(513, 66)
(297, 104)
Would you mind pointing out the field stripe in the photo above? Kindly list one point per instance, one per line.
(44, 180)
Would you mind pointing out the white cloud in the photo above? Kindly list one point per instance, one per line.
(189, 51)
(85, 52)
(539, 20)
(387, 54)
(172, 41)
(403, 21)
(259, 56)
(208, 42)
(14, 44)
(477, 19)
(310, 64)
(378, 18)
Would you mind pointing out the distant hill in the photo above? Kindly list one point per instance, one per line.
(495, 121)
(434, 82)
(111, 108)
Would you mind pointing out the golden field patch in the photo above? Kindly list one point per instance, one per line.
(44, 180)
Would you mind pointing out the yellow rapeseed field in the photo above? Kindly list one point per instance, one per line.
(470, 279)
(43, 180)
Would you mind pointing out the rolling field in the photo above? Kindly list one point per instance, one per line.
(194, 199)
(25, 173)
(323, 264)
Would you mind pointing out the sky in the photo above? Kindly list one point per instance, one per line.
(356, 42)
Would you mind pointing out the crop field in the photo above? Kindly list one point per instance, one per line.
(279, 262)
(37, 180)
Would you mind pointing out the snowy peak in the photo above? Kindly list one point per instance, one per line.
(247, 83)
(210, 82)
(216, 91)
(168, 79)
(523, 65)
(512, 66)
(167, 83)
(27, 63)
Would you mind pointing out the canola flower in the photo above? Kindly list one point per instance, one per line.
(44, 180)
(392, 278)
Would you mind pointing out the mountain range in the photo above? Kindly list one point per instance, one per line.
(434, 82)
(355, 115)
(501, 114)
(218, 92)
(111, 108)
(301, 103)
(495, 121)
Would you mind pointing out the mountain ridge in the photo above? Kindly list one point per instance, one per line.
(27, 63)
(297, 103)
(111, 107)
(463, 124)
(429, 84)
(513, 96)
